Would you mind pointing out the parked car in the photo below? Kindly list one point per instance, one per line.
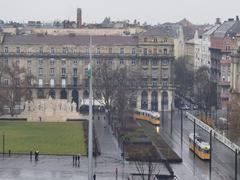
(185, 107)
(195, 107)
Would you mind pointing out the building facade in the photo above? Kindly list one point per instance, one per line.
(59, 63)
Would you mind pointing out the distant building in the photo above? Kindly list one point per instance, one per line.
(222, 46)
(35, 24)
(174, 32)
(69, 24)
(235, 69)
(79, 18)
(59, 63)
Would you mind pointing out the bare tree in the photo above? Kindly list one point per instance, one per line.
(128, 83)
(233, 118)
(183, 77)
(146, 166)
(116, 87)
(204, 89)
(104, 86)
(15, 87)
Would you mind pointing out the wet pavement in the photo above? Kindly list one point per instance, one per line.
(19, 167)
(222, 158)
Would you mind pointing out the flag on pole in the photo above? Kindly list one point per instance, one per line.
(88, 71)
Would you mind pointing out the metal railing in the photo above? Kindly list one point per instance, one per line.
(216, 134)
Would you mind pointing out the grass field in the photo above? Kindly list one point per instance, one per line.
(48, 138)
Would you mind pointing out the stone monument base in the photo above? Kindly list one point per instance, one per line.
(50, 110)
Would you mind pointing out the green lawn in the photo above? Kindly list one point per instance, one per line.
(48, 138)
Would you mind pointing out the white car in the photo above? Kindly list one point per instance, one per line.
(185, 107)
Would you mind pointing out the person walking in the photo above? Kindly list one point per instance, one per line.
(116, 173)
(94, 176)
(37, 155)
(78, 157)
(73, 159)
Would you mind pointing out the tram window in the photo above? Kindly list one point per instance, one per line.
(206, 151)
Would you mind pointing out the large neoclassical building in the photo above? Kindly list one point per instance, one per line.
(59, 63)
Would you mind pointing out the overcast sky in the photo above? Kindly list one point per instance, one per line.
(151, 11)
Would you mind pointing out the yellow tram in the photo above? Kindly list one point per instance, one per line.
(202, 148)
(150, 116)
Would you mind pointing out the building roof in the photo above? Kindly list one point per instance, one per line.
(185, 22)
(170, 30)
(234, 30)
(223, 29)
(33, 39)
(210, 31)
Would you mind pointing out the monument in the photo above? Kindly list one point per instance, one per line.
(50, 110)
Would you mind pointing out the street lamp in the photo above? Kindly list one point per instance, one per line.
(3, 145)
(90, 119)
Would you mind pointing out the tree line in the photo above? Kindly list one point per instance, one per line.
(15, 84)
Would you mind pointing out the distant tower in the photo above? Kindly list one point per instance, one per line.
(79, 17)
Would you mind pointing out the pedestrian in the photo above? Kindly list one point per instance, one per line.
(94, 177)
(30, 155)
(9, 152)
(37, 155)
(116, 173)
(78, 157)
(73, 160)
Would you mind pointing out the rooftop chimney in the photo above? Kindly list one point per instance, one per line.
(237, 18)
(231, 19)
(218, 21)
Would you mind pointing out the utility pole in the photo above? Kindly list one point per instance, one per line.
(210, 152)
(162, 114)
(181, 131)
(90, 120)
(194, 137)
(236, 164)
(171, 117)
(3, 136)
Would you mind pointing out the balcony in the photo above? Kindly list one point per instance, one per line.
(224, 83)
(225, 62)
(224, 95)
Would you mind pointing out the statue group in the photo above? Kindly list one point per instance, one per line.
(50, 105)
(50, 110)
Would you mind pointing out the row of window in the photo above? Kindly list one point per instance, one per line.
(155, 40)
(52, 71)
(145, 51)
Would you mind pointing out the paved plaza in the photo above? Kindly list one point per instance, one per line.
(20, 167)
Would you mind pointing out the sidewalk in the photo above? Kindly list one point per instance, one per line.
(108, 143)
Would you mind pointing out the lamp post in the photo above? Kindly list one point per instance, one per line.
(210, 152)
(90, 120)
(236, 164)
(171, 117)
(3, 145)
(181, 131)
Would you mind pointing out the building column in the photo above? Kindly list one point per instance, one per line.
(139, 99)
(159, 101)
(57, 93)
(69, 98)
(170, 100)
(80, 97)
(149, 100)
(34, 93)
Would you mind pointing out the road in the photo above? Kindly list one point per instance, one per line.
(223, 159)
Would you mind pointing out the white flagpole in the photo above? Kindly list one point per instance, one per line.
(90, 120)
